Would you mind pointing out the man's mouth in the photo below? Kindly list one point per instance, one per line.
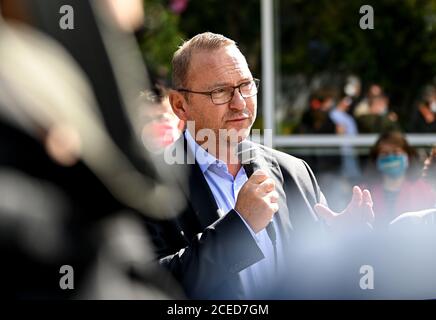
(238, 119)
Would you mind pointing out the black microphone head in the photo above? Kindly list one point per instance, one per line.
(247, 156)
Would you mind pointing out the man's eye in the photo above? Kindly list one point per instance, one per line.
(219, 90)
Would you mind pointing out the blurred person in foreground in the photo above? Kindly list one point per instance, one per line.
(236, 236)
(68, 192)
(395, 186)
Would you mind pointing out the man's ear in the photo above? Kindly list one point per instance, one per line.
(178, 104)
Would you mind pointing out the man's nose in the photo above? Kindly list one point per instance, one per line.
(237, 102)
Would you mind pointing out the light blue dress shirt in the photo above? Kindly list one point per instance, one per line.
(256, 278)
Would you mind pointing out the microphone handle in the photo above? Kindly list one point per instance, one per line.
(249, 170)
(271, 232)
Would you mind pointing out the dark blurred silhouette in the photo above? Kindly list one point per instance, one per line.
(75, 182)
(378, 119)
(316, 119)
(423, 119)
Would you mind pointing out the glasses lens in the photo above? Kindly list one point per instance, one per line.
(248, 89)
(222, 95)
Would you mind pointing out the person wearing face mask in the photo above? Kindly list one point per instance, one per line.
(394, 188)
(426, 216)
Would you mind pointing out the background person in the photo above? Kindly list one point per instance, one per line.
(394, 186)
(161, 127)
(379, 118)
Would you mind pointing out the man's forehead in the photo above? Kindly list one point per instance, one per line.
(218, 61)
(217, 57)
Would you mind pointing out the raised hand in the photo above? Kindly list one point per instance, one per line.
(358, 213)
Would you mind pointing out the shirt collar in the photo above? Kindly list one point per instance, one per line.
(203, 158)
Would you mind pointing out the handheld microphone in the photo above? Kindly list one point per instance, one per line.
(247, 155)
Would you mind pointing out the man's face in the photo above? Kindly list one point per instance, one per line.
(212, 70)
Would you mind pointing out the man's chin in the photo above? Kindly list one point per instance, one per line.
(237, 135)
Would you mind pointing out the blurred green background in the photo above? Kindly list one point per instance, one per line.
(313, 38)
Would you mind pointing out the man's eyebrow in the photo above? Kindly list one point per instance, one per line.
(225, 84)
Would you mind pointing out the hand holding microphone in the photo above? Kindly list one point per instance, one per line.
(257, 200)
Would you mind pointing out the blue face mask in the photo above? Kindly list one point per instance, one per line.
(393, 165)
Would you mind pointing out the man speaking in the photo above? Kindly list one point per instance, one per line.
(235, 236)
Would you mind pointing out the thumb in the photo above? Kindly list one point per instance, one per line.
(324, 212)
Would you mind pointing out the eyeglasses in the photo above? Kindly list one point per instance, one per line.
(225, 94)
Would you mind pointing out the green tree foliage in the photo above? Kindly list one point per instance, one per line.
(399, 52)
(313, 37)
(162, 34)
(165, 30)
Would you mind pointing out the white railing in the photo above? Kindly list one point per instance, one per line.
(363, 140)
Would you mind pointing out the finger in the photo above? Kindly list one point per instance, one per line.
(258, 176)
(273, 197)
(324, 212)
(274, 207)
(267, 186)
(369, 213)
(356, 199)
(366, 197)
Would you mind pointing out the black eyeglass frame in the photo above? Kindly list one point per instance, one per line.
(209, 93)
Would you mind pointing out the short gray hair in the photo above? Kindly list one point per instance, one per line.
(182, 57)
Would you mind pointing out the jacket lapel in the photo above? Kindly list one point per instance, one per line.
(194, 185)
(281, 217)
(202, 200)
